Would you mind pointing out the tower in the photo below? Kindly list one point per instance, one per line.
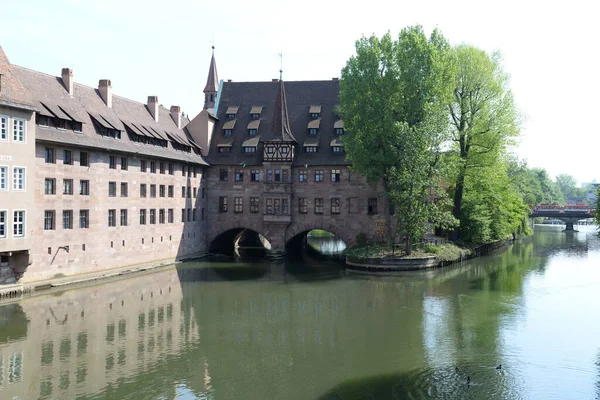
(212, 84)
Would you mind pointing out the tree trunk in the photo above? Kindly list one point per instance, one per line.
(408, 245)
(458, 198)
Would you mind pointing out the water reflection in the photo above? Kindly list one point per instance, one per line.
(307, 331)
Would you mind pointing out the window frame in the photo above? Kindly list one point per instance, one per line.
(49, 220)
(23, 131)
(21, 224)
(67, 223)
(23, 187)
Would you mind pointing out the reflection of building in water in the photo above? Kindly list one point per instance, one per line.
(86, 339)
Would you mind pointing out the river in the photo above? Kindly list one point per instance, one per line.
(310, 330)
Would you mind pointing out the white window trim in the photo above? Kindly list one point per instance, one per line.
(6, 226)
(24, 130)
(24, 222)
(7, 128)
(7, 177)
(24, 179)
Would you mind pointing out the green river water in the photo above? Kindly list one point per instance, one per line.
(310, 330)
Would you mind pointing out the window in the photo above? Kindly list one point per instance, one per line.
(303, 176)
(337, 149)
(285, 210)
(313, 131)
(18, 178)
(189, 215)
(84, 219)
(224, 149)
(254, 205)
(171, 190)
(183, 192)
(153, 167)
(50, 186)
(68, 187)
(112, 217)
(123, 217)
(250, 149)
(195, 172)
(302, 205)
(142, 165)
(77, 126)
(143, 190)
(161, 191)
(143, 216)
(2, 224)
(223, 174)
(3, 178)
(61, 123)
(269, 175)
(372, 205)
(238, 205)
(84, 159)
(270, 149)
(170, 169)
(285, 175)
(269, 205)
(182, 169)
(189, 172)
(19, 223)
(315, 115)
(49, 155)
(335, 206)
(162, 167)
(153, 191)
(222, 204)
(19, 133)
(161, 216)
(339, 131)
(195, 192)
(49, 218)
(319, 175)
(84, 187)
(239, 175)
(152, 216)
(252, 132)
(189, 192)
(124, 163)
(227, 132)
(67, 157)
(255, 175)
(277, 175)
(67, 216)
(183, 215)
(284, 150)
(3, 128)
(123, 189)
(310, 149)
(170, 215)
(194, 214)
(230, 115)
(335, 175)
(318, 205)
(112, 162)
(112, 189)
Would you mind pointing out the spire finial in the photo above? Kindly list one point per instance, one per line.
(281, 66)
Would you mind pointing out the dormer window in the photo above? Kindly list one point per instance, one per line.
(253, 127)
(252, 132)
(231, 112)
(310, 149)
(249, 149)
(313, 131)
(337, 149)
(228, 127)
(61, 123)
(313, 126)
(255, 112)
(315, 111)
(338, 126)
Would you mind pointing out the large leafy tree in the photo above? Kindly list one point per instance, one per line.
(484, 119)
(568, 187)
(392, 99)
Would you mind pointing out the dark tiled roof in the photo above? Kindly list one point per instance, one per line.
(300, 95)
(12, 92)
(280, 130)
(49, 94)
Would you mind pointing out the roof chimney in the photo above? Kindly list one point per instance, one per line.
(67, 78)
(153, 107)
(176, 115)
(105, 89)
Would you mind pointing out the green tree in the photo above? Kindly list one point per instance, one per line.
(483, 114)
(568, 187)
(392, 99)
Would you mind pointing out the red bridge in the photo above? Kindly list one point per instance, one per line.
(568, 213)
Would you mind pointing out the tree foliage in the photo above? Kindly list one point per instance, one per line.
(392, 100)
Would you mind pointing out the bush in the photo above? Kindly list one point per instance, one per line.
(361, 239)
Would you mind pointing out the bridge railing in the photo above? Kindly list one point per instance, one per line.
(560, 208)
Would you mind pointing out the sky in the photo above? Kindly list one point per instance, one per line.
(163, 48)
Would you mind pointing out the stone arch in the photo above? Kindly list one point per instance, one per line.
(300, 227)
(228, 226)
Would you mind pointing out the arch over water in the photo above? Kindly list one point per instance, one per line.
(228, 239)
(303, 228)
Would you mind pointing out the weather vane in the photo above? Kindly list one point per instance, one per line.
(281, 66)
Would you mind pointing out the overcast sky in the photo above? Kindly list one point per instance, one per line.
(149, 47)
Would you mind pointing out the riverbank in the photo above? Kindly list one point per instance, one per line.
(18, 291)
(388, 259)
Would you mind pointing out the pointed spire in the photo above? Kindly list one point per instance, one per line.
(280, 128)
(212, 83)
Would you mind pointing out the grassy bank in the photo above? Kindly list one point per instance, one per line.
(445, 252)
